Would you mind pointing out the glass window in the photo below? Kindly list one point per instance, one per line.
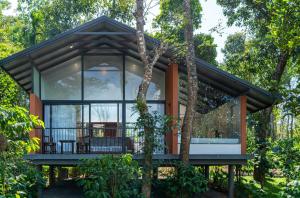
(62, 82)
(132, 115)
(66, 116)
(106, 120)
(220, 125)
(103, 77)
(36, 81)
(133, 77)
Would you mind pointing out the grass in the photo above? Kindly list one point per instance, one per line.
(250, 188)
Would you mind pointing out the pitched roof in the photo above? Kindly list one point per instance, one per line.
(104, 31)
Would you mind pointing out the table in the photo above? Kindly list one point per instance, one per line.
(62, 142)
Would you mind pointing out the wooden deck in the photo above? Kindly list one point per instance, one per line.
(161, 160)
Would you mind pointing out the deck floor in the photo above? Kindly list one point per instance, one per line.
(164, 160)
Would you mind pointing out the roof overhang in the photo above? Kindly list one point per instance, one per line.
(104, 32)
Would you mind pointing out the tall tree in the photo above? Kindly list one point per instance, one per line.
(192, 83)
(275, 27)
(205, 48)
(10, 92)
(149, 62)
(45, 19)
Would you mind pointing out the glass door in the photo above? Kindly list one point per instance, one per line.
(106, 128)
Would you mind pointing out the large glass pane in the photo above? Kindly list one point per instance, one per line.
(62, 82)
(66, 125)
(133, 77)
(103, 77)
(135, 134)
(106, 128)
(221, 125)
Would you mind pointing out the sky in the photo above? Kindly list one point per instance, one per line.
(212, 16)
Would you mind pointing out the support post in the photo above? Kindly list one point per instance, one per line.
(206, 172)
(155, 173)
(172, 84)
(230, 181)
(51, 175)
(39, 187)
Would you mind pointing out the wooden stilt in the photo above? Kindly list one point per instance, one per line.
(51, 175)
(39, 187)
(230, 181)
(206, 172)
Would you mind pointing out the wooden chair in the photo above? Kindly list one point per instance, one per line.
(83, 145)
(49, 146)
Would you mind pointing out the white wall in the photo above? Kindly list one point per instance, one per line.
(214, 148)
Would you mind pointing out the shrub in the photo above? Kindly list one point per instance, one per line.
(110, 176)
(292, 189)
(18, 178)
(183, 181)
(219, 179)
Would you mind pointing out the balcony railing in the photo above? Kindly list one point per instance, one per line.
(95, 140)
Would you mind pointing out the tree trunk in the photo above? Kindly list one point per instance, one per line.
(263, 131)
(192, 84)
(141, 97)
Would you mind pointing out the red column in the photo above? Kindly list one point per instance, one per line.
(243, 103)
(36, 108)
(172, 105)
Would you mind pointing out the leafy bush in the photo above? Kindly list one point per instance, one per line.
(285, 156)
(292, 189)
(219, 179)
(110, 176)
(18, 178)
(184, 180)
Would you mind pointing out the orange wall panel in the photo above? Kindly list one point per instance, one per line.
(172, 106)
(36, 108)
(243, 102)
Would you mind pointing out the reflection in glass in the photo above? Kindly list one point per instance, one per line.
(103, 77)
(133, 77)
(62, 82)
(131, 118)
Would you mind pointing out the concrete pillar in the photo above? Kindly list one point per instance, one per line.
(230, 181)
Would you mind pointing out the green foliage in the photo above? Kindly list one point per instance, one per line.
(205, 48)
(185, 180)
(10, 92)
(219, 178)
(44, 19)
(292, 190)
(15, 125)
(18, 178)
(110, 176)
(170, 21)
(285, 156)
(159, 125)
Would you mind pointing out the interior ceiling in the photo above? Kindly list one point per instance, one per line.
(104, 33)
